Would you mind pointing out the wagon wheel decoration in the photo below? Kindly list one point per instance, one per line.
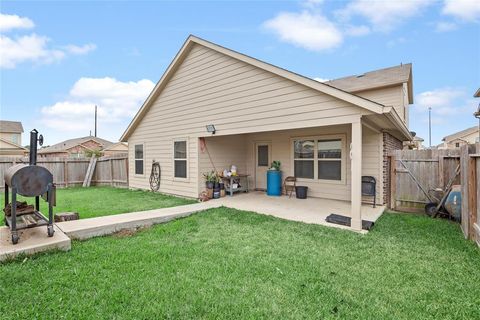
(155, 175)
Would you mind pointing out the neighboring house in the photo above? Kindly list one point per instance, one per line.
(119, 148)
(415, 144)
(458, 139)
(11, 139)
(74, 148)
(324, 135)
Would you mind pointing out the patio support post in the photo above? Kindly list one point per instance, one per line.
(356, 167)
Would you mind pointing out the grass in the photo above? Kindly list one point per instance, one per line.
(224, 263)
(101, 201)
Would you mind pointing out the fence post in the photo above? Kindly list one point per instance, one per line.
(65, 172)
(393, 182)
(472, 194)
(111, 172)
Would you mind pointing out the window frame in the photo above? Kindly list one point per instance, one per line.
(315, 159)
(186, 159)
(135, 159)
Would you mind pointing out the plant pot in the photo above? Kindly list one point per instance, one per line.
(301, 192)
(210, 193)
(209, 185)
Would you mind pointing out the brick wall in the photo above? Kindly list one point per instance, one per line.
(390, 143)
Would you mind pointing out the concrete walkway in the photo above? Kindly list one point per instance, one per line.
(100, 226)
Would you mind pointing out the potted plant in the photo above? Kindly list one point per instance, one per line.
(274, 179)
(210, 179)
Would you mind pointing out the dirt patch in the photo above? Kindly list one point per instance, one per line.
(124, 233)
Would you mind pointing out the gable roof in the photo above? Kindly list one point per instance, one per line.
(67, 144)
(114, 145)
(313, 84)
(377, 79)
(460, 134)
(11, 126)
(14, 145)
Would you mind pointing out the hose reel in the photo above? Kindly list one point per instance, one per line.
(155, 176)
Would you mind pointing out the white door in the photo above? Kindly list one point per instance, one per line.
(263, 158)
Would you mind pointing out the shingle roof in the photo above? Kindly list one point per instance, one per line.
(11, 126)
(67, 144)
(460, 134)
(374, 79)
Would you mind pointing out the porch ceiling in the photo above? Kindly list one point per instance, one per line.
(311, 210)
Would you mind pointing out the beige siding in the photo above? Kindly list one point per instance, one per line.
(12, 137)
(372, 160)
(391, 96)
(211, 88)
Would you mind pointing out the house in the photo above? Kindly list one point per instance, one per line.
(116, 149)
(75, 148)
(11, 139)
(415, 144)
(214, 107)
(458, 139)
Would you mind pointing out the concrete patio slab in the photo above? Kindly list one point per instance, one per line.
(100, 226)
(311, 210)
(31, 241)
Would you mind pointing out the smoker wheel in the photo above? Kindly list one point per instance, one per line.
(50, 231)
(15, 238)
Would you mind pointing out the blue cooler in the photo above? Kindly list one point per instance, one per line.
(274, 183)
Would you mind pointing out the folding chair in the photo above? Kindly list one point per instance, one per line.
(289, 185)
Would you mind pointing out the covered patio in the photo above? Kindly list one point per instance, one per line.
(311, 210)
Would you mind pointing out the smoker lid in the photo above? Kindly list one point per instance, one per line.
(29, 180)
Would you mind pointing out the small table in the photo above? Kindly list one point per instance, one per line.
(239, 177)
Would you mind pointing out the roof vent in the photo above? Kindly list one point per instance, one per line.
(361, 75)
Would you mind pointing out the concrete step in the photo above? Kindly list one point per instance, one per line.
(31, 241)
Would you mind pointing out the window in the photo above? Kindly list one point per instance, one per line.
(139, 159)
(457, 145)
(304, 158)
(262, 160)
(329, 159)
(180, 158)
(15, 138)
(319, 158)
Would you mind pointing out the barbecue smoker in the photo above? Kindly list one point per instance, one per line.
(29, 181)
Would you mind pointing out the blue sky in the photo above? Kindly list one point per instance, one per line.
(59, 59)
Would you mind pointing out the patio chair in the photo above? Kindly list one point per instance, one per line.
(369, 186)
(289, 185)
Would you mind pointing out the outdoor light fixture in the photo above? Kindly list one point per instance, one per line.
(211, 128)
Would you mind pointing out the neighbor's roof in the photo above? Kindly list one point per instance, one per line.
(313, 84)
(11, 126)
(377, 79)
(477, 93)
(460, 134)
(67, 144)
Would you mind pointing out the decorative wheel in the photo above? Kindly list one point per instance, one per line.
(50, 231)
(155, 175)
(431, 209)
(15, 238)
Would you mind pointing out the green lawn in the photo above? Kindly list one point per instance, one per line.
(101, 201)
(224, 263)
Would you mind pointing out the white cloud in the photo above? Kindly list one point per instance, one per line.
(34, 48)
(357, 31)
(466, 10)
(383, 15)
(443, 26)
(26, 48)
(321, 79)
(80, 49)
(395, 42)
(307, 30)
(10, 21)
(444, 101)
(117, 101)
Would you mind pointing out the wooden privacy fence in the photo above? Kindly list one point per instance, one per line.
(69, 172)
(415, 172)
(430, 168)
